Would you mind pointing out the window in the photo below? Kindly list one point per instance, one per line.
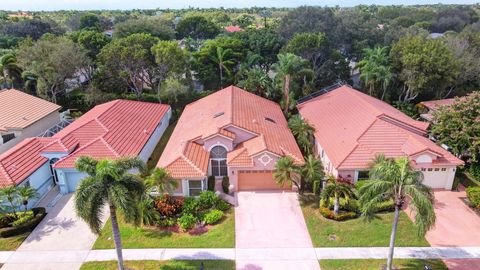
(437, 169)
(363, 175)
(194, 187)
(218, 161)
(8, 137)
(444, 169)
(429, 169)
(423, 169)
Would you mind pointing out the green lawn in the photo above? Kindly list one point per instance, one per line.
(12, 243)
(221, 235)
(157, 152)
(357, 232)
(401, 264)
(161, 265)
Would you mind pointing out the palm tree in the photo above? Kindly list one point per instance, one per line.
(288, 64)
(109, 182)
(303, 131)
(10, 193)
(337, 190)
(256, 81)
(312, 170)
(396, 180)
(27, 193)
(161, 181)
(375, 69)
(9, 70)
(287, 172)
(221, 58)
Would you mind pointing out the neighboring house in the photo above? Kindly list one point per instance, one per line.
(230, 133)
(352, 127)
(427, 108)
(120, 128)
(24, 116)
(233, 28)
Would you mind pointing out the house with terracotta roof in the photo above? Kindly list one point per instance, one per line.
(427, 108)
(352, 127)
(120, 128)
(24, 116)
(231, 133)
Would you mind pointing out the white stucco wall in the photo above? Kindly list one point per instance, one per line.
(155, 138)
(68, 179)
(327, 164)
(41, 180)
(218, 140)
(33, 130)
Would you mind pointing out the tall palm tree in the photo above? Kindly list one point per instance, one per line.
(303, 132)
(337, 190)
(9, 70)
(287, 172)
(27, 193)
(10, 193)
(312, 170)
(223, 60)
(109, 182)
(375, 69)
(287, 66)
(397, 180)
(161, 181)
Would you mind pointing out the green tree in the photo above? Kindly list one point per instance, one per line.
(89, 21)
(27, 193)
(257, 81)
(375, 70)
(303, 132)
(154, 26)
(53, 60)
(312, 170)
(224, 60)
(161, 181)
(458, 126)
(92, 41)
(287, 172)
(196, 27)
(286, 67)
(266, 43)
(109, 183)
(10, 194)
(244, 20)
(397, 180)
(425, 66)
(10, 70)
(172, 61)
(172, 90)
(336, 189)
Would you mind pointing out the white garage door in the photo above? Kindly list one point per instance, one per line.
(438, 177)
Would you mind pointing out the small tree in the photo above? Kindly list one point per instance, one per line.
(336, 189)
(397, 180)
(312, 171)
(303, 132)
(10, 193)
(287, 172)
(109, 182)
(27, 193)
(161, 181)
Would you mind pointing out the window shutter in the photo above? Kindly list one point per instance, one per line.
(185, 187)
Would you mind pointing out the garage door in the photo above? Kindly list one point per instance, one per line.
(257, 180)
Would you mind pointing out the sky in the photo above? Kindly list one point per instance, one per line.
(48, 5)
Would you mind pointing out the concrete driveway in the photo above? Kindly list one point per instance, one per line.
(457, 225)
(272, 221)
(60, 230)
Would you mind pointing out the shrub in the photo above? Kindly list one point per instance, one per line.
(225, 184)
(385, 206)
(207, 199)
(213, 217)
(167, 222)
(317, 187)
(211, 183)
(473, 194)
(38, 213)
(327, 213)
(187, 221)
(190, 206)
(223, 205)
(168, 206)
(23, 218)
(351, 205)
(6, 220)
(474, 170)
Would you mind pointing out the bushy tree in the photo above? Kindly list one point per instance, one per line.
(89, 21)
(303, 132)
(156, 27)
(196, 27)
(266, 43)
(90, 40)
(376, 71)
(172, 61)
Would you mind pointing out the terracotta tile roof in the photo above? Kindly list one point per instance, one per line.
(227, 133)
(239, 158)
(434, 104)
(117, 128)
(228, 107)
(233, 28)
(352, 127)
(18, 109)
(22, 160)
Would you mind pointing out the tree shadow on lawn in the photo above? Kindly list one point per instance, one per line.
(309, 200)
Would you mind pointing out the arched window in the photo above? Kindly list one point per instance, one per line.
(218, 161)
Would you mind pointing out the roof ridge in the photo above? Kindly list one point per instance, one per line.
(76, 151)
(101, 124)
(109, 146)
(290, 154)
(5, 173)
(191, 163)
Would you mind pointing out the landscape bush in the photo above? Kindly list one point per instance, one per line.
(343, 215)
(211, 183)
(207, 199)
(223, 205)
(38, 214)
(23, 218)
(169, 206)
(167, 222)
(213, 217)
(187, 221)
(474, 170)
(225, 184)
(473, 194)
(385, 206)
(190, 206)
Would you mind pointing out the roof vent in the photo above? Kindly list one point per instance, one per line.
(218, 114)
(270, 120)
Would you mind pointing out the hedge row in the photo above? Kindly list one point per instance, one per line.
(38, 214)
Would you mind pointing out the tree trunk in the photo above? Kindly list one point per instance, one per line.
(116, 237)
(13, 209)
(221, 76)
(25, 204)
(392, 238)
(286, 92)
(336, 205)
